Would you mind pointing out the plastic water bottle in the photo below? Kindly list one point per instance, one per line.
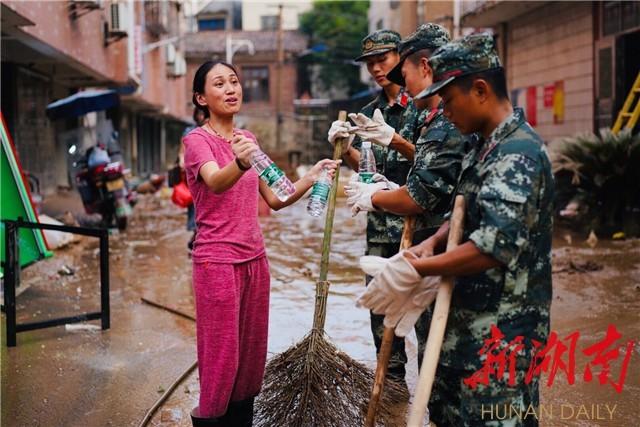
(319, 194)
(270, 173)
(367, 165)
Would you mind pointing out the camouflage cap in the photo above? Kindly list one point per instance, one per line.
(426, 36)
(378, 42)
(468, 55)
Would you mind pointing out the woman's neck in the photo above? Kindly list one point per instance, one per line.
(222, 125)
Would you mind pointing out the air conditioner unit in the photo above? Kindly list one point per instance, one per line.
(119, 19)
(170, 53)
(179, 67)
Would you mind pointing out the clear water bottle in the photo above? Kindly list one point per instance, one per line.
(319, 194)
(270, 173)
(367, 165)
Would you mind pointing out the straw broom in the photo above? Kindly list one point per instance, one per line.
(313, 383)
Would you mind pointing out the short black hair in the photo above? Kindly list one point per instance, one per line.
(199, 80)
(415, 57)
(495, 78)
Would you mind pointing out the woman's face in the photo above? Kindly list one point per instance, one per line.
(222, 91)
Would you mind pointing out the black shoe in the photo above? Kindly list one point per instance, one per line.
(199, 421)
(239, 414)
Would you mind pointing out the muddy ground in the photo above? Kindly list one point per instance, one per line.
(64, 377)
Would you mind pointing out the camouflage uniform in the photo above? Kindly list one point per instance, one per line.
(384, 230)
(508, 188)
(440, 149)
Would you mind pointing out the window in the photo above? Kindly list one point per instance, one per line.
(605, 77)
(269, 22)
(255, 83)
(619, 16)
(380, 24)
(211, 24)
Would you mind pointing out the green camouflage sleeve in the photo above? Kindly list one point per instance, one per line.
(437, 165)
(507, 203)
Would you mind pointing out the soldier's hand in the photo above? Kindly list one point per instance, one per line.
(378, 177)
(393, 281)
(359, 194)
(425, 249)
(341, 129)
(375, 129)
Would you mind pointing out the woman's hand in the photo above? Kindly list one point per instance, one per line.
(314, 173)
(425, 249)
(243, 148)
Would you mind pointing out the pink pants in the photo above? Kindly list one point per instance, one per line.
(232, 312)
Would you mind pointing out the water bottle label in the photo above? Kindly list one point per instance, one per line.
(320, 190)
(366, 177)
(271, 174)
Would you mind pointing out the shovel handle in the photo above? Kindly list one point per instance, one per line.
(438, 325)
(387, 340)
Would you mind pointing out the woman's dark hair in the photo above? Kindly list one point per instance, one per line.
(495, 77)
(200, 79)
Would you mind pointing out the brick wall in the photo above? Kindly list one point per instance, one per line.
(550, 44)
(80, 40)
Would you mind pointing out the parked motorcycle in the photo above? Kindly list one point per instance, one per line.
(102, 187)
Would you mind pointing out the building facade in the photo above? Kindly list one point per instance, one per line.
(51, 50)
(570, 65)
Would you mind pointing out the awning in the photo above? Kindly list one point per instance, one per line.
(82, 103)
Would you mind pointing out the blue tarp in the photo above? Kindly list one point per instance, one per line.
(82, 103)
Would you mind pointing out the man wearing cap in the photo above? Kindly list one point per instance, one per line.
(389, 123)
(440, 148)
(503, 266)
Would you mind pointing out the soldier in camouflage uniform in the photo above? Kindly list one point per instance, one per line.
(393, 151)
(440, 148)
(503, 268)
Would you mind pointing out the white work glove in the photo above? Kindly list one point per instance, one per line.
(374, 130)
(378, 177)
(393, 282)
(359, 194)
(340, 129)
(404, 319)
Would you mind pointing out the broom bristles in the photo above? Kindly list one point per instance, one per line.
(313, 384)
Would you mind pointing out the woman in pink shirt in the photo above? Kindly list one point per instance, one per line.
(230, 268)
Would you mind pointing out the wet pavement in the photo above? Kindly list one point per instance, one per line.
(60, 377)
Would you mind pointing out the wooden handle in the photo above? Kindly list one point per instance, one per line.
(322, 287)
(387, 340)
(438, 325)
(328, 224)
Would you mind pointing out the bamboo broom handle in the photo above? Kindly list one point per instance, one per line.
(438, 325)
(322, 287)
(387, 340)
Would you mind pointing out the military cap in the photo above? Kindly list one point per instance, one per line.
(426, 36)
(378, 42)
(468, 55)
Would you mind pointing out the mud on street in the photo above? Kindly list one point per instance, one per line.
(88, 377)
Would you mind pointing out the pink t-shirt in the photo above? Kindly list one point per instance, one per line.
(228, 228)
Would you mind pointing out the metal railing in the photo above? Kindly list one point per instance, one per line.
(12, 278)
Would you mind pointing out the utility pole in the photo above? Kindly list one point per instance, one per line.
(279, 64)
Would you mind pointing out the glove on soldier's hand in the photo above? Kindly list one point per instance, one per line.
(359, 194)
(378, 177)
(405, 318)
(340, 129)
(394, 280)
(374, 129)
